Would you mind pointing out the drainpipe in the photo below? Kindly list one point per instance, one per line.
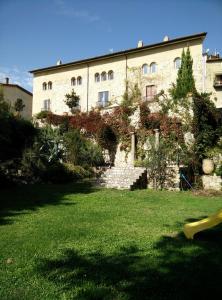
(87, 95)
(204, 59)
(126, 74)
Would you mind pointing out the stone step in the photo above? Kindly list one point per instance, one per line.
(124, 178)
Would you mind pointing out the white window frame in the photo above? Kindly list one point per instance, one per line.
(73, 81)
(97, 77)
(110, 75)
(153, 67)
(103, 76)
(143, 69)
(79, 80)
(176, 65)
(103, 98)
(46, 105)
(44, 86)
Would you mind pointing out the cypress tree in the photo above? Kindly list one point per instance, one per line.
(185, 80)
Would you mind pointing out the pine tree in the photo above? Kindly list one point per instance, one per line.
(185, 80)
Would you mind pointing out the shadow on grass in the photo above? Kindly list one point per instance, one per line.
(176, 269)
(17, 200)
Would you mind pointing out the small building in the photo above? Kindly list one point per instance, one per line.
(12, 92)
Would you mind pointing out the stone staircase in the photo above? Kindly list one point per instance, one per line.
(126, 177)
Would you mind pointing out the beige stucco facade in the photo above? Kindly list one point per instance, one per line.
(214, 69)
(12, 92)
(126, 65)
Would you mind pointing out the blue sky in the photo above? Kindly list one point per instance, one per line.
(36, 33)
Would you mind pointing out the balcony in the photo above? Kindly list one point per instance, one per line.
(76, 109)
(218, 81)
(47, 109)
(151, 98)
(102, 104)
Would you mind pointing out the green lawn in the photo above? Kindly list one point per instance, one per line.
(78, 242)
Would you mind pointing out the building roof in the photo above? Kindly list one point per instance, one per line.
(124, 52)
(16, 85)
(214, 59)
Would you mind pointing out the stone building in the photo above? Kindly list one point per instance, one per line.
(101, 80)
(12, 92)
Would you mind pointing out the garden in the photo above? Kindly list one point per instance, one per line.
(64, 237)
(76, 241)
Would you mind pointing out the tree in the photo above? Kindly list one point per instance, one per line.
(72, 100)
(4, 106)
(206, 124)
(19, 105)
(157, 161)
(185, 81)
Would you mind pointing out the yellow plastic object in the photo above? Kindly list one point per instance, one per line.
(191, 229)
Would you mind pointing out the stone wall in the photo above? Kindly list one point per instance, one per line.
(212, 182)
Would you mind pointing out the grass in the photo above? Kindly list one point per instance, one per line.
(78, 242)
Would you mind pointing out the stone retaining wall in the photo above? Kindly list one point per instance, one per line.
(212, 182)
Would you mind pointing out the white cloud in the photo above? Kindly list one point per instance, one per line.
(16, 76)
(63, 9)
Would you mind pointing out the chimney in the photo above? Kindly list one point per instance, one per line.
(140, 44)
(59, 62)
(166, 38)
(7, 80)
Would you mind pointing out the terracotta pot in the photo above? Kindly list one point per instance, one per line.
(208, 166)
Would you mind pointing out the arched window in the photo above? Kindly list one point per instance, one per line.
(103, 76)
(44, 86)
(97, 77)
(110, 75)
(79, 80)
(145, 69)
(73, 81)
(177, 63)
(153, 67)
(49, 85)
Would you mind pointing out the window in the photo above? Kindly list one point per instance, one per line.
(79, 80)
(151, 92)
(145, 69)
(153, 67)
(49, 85)
(177, 63)
(44, 86)
(97, 77)
(218, 80)
(110, 75)
(103, 98)
(73, 81)
(46, 105)
(103, 76)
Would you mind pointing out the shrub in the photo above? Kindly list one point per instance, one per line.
(219, 170)
(33, 165)
(91, 155)
(42, 115)
(78, 172)
(80, 151)
(63, 173)
(206, 126)
(74, 144)
(15, 136)
(57, 173)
